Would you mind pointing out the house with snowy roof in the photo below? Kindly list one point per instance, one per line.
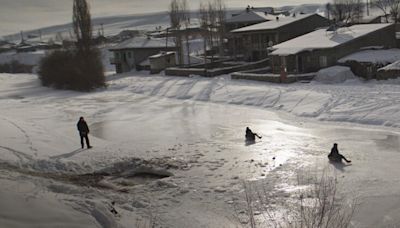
(134, 53)
(323, 47)
(250, 16)
(389, 71)
(252, 42)
(366, 63)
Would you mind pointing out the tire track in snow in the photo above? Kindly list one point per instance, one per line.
(159, 86)
(185, 88)
(168, 89)
(28, 139)
(205, 94)
(299, 102)
(20, 155)
(278, 98)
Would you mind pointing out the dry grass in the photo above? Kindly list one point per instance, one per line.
(315, 204)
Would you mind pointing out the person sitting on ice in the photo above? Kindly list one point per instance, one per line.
(335, 156)
(250, 136)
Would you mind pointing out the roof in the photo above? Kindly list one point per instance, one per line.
(393, 66)
(143, 42)
(322, 39)
(272, 24)
(161, 54)
(249, 16)
(374, 56)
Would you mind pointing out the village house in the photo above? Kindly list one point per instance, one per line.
(6, 46)
(252, 42)
(250, 16)
(323, 48)
(161, 61)
(366, 63)
(389, 71)
(131, 53)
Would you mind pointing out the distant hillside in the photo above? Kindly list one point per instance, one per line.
(115, 24)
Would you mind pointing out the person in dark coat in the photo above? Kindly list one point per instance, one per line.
(83, 132)
(335, 156)
(251, 136)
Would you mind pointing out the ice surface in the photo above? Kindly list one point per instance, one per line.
(193, 128)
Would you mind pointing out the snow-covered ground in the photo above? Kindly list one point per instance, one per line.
(190, 129)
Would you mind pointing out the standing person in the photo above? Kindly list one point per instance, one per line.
(83, 132)
(335, 156)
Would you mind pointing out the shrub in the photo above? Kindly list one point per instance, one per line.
(70, 69)
(15, 67)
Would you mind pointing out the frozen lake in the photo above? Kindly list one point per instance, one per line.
(38, 128)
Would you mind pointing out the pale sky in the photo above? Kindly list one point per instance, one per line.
(17, 15)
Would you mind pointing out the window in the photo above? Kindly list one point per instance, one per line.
(323, 61)
(129, 55)
(117, 55)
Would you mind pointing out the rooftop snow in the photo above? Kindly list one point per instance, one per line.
(321, 39)
(393, 66)
(143, 42)
(374, 56)
(248, 16)
(272, 24)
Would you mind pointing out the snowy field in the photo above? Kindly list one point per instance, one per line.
(188, 133)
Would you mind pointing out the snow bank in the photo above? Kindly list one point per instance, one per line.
(345, 102)
(335, 74)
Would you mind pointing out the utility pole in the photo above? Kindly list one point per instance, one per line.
(367, 7)
(22, 38)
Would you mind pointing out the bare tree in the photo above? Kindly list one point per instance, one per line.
(82, 24)
(384, 6)
(347, 11)
(179, 17)
(221, 16)
(394, 10)
(328, 8)
(212, 21)
(203, 15)
(186, 21)
(390, 8)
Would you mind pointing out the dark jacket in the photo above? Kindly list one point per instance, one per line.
(82, 126)
(250, 135)
(334, 152)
